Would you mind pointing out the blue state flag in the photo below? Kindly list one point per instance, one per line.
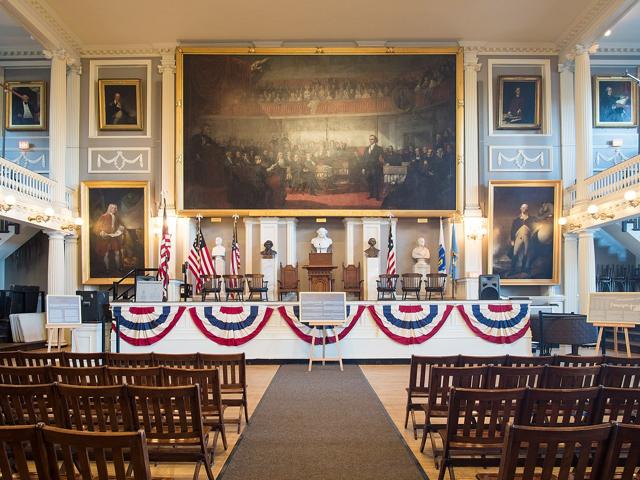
(454, 253)
(442, 259)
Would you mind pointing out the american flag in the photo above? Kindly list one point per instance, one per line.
(165, 253)
(391, 254)
(235, 250)
(200, 260)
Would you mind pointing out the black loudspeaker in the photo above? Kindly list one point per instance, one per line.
(94, 306)
(489, 287)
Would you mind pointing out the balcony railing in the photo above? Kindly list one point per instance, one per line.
(619, 177)
(24, 183)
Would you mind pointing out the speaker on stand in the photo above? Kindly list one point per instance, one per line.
(489, 287)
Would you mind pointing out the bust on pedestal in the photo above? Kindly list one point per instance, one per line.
(321, 242)
(421, 255)
(218, 253)
(320, 268)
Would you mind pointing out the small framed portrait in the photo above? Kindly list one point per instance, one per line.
(614, 102)
(26, 106)
(120, 104)
(519, 102)
(114, 229)
(524, 236)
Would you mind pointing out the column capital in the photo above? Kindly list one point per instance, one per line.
(73, 238)
(168, 61)
(587, 233)
(567, 66)
(570, 236)
(75, 69)
(61, 54)
(583, 50)
(471, 61)
(55, 235)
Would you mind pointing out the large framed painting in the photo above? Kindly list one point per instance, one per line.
(519, 102)
(614, 102)
(114, 229)
(26, 105)
(524, 236)
(120, 103)
(318, 132)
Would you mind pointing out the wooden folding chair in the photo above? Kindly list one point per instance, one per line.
(17, 444)
(529, 453)
(81, 360)
(619, 376)
(210, 395)
(233, 381)
(476, 423)
(94, 409)
(529, 361)
(41, 359)
(619, 405)
(86, 376)
(24, 375)
(578, 360)
(172, 420)
(515, 377)
(28, 404)
(623, 456)
(418, 389)
(141, 376)
(572, 377)
(178, 360)
(481, 360)
(560, 408)
(80, 453)
(130, 360)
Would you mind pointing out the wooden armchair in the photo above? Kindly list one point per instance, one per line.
(411, 283)
(351, 280)
(211, 284)
(289, 281)
(257, 284)
(435, 283)
(234, 285)
(386, 285)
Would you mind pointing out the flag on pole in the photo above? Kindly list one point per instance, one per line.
(200, 260)
(165, 252)
(235, 250)
(391, 254)
(454, 254)
(442, 259)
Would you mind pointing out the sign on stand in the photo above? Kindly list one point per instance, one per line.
(63, 312)
(614, 310)
(325, 310)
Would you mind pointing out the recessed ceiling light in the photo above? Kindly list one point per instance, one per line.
(607, 33)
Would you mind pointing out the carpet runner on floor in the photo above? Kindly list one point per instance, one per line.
(323, 424)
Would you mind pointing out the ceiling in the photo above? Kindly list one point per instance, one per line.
(121, 22)
(627, 30)
(13, 35)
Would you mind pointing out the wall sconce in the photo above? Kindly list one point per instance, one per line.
(9, 202)
(563, 222)
(630, 198)
(72, 227)
(24, 145)
(593, 211)
(475, 228)
(42, 218)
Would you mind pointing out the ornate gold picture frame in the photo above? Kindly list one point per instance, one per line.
(524, 235)
(120, 104)
(319, 131)
(26, 106)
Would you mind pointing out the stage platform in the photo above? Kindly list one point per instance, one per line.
(373, 330)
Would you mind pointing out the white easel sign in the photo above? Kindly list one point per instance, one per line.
(622, 308)
(63, 311)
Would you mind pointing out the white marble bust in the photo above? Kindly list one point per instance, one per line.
(218, 250)
(322, 243)
(420, 253)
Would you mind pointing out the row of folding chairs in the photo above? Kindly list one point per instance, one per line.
(523, 360)
(151, 423)
(432, 383)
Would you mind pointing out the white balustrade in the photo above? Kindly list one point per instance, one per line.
(25, 183)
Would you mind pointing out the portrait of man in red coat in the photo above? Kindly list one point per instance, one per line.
(109, 232)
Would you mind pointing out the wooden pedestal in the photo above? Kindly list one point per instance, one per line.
(320, 277)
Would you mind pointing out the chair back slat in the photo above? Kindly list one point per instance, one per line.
(619, 405)
(111, 454)
(27, 404)
(24, 375)
(481, 360)
(41, 359)
(179, 360)
(95, 409)
(572, 377)
(529, 361)
(86, 376)
(141, 376)
(579, 452)
(623, 456)
(232, 368)
(619, 376)
(10, 359)
(515, 377)
(444, 378)
(578, 360)
(79, 360)
(555, 408)
(208, 380)
(420, 369)
(130, 360)
(18, 446)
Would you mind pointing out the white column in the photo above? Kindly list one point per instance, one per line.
(56, 264)
(350, 240)
(570, 272)
(586, 269)
(292, 240)
(72, 163)
(471, 145)
(583, 121)
(71, 263)
(371, 228)
(269, 231)
(58, 124)
(568, 124)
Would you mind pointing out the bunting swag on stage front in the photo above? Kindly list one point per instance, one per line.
(497, 323)
(142, 326)
(410, 324)
(231, 326)
(290, 314)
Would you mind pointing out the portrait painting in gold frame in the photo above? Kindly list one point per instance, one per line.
(524, 235)
(120, 104)
(115, 229)
(26, 105)
(319, 131)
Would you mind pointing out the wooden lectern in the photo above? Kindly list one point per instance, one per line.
(320, 272)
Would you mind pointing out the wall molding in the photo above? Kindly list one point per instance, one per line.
(119, 160)
(34, 162)
(507, 158)
(500, 48)
(120, 51)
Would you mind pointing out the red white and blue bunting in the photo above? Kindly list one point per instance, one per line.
(410, 324)
(231, 326)
(291, 315)
(142, 326)
(497, 323)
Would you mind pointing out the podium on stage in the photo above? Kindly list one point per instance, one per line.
(320, 272)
